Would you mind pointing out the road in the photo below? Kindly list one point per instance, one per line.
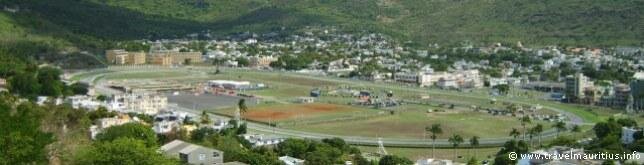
(357, 140)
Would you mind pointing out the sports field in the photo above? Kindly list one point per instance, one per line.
(333, 115)
(412, 123)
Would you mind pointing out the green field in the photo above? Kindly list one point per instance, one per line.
(409, 120)
(412, 123)
(442, 153)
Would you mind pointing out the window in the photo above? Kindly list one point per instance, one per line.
(183, 157)
(202, 157)
(215, 154)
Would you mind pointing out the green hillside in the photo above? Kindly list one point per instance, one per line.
(90, 23)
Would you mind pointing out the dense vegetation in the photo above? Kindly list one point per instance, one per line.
(92, 22)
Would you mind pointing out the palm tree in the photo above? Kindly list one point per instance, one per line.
(531, 134)
(241, 109)
(560, 126)
(455, 140)
(435, 129)
(575, 129)
(515, 133)
(474, 142)
(524, 121)
(537, 130)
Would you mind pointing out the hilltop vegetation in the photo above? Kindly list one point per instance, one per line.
(572, 22)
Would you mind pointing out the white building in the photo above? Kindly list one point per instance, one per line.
(165, 122)
(433, 162)
(145, 103)
(287, 160)
(627, 135)
(104, 123)
(260, 140)
(41, 100)
(447, 83)
(82, 101)
(228, 84)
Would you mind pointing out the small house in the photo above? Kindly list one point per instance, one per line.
(192, 154)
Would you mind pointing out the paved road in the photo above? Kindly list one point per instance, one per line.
(397, 142)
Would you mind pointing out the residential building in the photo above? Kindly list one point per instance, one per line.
(82, 101)
(628, 135)
(42, 100)
(192, 154)
(145, 103)
(165, 122)
(575, 85)
(260, 140)
(159, 55)
(622, 95)
(119, 56)
(161, 59)
(287, 160)
(447, 83)
(104, 123)
(184, 58)
(637, 91)
(261, 61)
(122, 57)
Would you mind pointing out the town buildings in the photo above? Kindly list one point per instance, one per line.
(261, 61)
(192, 154)
(83, 101)
(122, 57)
(575, 86)
(637, 91)
(102, 124)
(287, 160)
(145, 103)
(261, 140)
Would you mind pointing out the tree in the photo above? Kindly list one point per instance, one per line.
(524, 121)
(518, 147)
(79, 88)
(394, 160)
(473, 161)
(435, 129)
(455, 140)
(610, 127)
(293, 147)
(127, 151)
(503, 89)
(21, 140)
(242, 62)
(25, 85)
(576, 129)
(200, 134)
(99, 113)
(205, 118)
(129, 130)
(474, 142)
(560, 126)
(242, 108)
(49, 79)
(515, 133)
(538, 129)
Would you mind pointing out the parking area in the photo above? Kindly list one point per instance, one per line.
(206, 101)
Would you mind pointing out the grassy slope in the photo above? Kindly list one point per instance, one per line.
(601, 22)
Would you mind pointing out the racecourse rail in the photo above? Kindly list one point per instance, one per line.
(97, 74)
